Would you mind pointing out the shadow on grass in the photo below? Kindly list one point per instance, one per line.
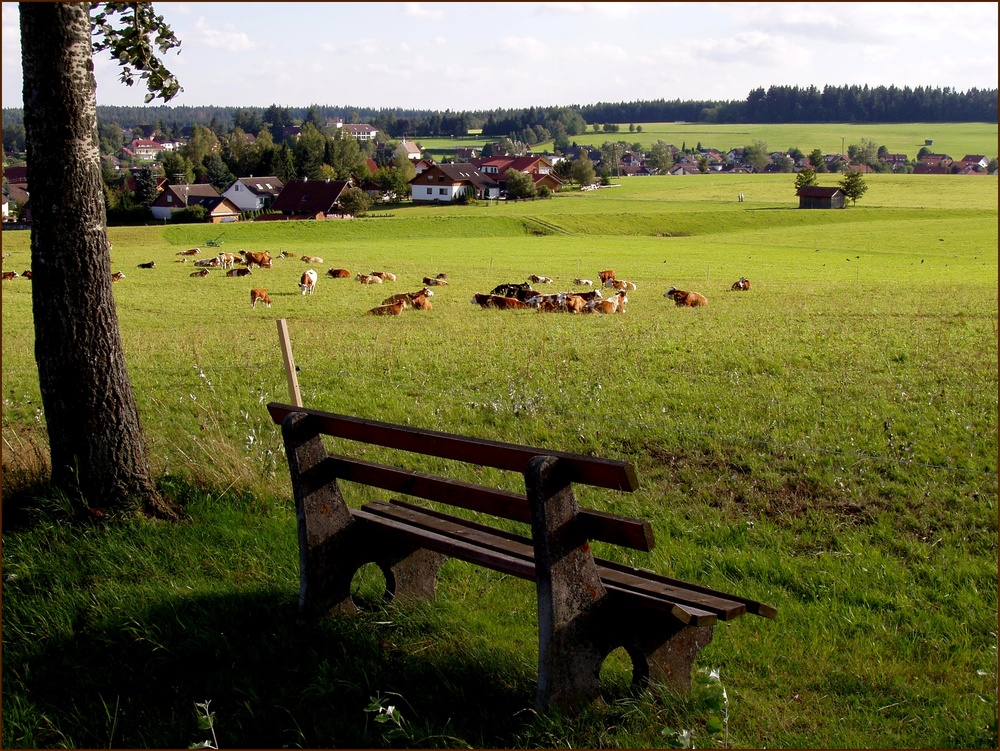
(274, 679)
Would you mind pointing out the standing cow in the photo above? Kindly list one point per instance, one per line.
(308, 282)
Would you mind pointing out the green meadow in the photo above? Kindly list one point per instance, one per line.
(954, 139)
(826, 443)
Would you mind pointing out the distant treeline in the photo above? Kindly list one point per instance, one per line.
(777, 104)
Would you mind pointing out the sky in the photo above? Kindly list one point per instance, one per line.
(485, 56)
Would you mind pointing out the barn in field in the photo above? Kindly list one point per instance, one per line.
(814, 197)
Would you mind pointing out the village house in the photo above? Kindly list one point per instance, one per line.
(444, 183)
(175, 198)
(254, 193)
(308, 199)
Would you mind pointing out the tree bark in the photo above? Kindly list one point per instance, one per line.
(99, 455)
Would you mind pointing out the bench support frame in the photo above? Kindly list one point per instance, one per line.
(579, 621)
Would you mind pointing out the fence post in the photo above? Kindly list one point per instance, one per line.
(286, 350)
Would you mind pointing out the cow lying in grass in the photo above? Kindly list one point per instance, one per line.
(685, 298)
(742, 285)
(339, 273)
(394, 309)
(614, 304)
(496, 301)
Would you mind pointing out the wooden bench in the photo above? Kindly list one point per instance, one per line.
(587, 607)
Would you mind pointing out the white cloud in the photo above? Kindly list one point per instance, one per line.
(417, 10)
(601, 10)
(228, 39)
(604, 52)
(527, 48)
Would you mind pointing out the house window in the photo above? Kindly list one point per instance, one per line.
(430, 190)
(170, 199)
(442, 191)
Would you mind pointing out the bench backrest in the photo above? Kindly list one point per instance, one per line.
(598, 472)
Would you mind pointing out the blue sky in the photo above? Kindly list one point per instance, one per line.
(471, 56)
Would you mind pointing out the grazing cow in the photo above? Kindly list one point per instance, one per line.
(7, 275)
(495, 301)
(312, 259)
(433, 281)
(117, 276)
(339, 273)
(583, 282)
(27, 274)
(189, 252)
(308, 282)
(238, 272)
(605, 275)
(684, 298)
(385, 276)
(742, 285)
(615, 304)
(368, 278)
(259, 295)
(210, 263)
(535, 279)
(259, 258)
(388, 310)
(150, 265)
(201, 274)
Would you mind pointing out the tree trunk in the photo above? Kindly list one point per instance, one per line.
(99, 455)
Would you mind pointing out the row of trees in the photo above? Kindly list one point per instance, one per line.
(776, 104)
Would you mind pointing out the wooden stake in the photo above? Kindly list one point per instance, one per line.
(286, 350)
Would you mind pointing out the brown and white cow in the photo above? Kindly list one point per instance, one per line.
(433, 281)
(189, 252)
(27, 274)
(256, 258)
(684, 298)
(307, 283)
(495, 301)
(741, 285)
(605, 275)
(8, 275)
(614, 304)
(312, 259)
(201, 273)
(150, 265)
(394, 309)
(385, 276)
(117, 276)
(339, 273)
(259, 295)
(238, 272)
(368, 278)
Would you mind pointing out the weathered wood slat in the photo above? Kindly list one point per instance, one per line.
(695, 608)
(603, 473)
(453, 547)
(612, 528)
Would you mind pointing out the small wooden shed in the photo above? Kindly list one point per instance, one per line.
(814, 197)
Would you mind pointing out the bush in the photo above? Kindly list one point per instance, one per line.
(190, 215)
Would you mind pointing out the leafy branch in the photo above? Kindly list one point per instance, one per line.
(132, 45)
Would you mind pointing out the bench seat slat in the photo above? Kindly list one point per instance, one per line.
(723, 604)
(699, 606)
(612, 528)
(602, 473)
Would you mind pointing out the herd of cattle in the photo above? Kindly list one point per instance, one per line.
(507, 296)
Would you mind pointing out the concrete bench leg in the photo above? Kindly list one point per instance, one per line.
(570, 592)
(666, 656)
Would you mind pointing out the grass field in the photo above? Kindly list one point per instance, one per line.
(954, 139)
(826, 443)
